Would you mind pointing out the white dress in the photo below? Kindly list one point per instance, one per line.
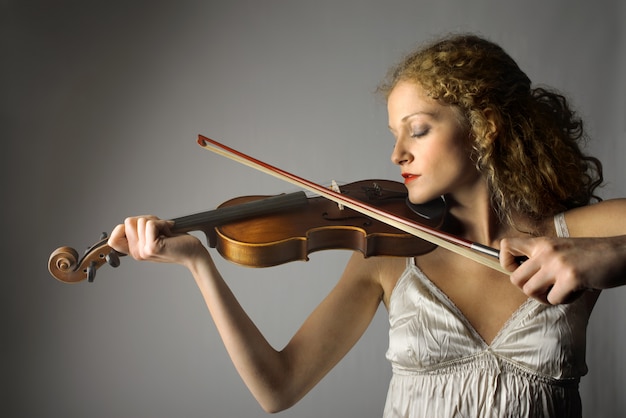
(443, 368)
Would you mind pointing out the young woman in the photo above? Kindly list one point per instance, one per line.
(465, 340)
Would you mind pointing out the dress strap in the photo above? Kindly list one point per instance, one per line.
(560, 225)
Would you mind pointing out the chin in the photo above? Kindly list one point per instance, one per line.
(420, 199)
(433, 209)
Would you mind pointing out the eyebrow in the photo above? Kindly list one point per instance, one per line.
(420, 112)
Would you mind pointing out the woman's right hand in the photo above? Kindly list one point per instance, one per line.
(150, 238)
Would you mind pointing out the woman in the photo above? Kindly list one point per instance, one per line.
(465, 340)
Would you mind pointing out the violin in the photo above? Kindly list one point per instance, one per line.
(258, 243)
(264, 231)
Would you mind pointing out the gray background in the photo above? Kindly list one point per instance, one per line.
(101, 106)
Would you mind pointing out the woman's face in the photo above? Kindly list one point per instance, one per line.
(432, 146)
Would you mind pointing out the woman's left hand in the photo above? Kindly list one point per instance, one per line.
(558, 270)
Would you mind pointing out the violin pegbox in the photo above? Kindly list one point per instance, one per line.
(65, 266)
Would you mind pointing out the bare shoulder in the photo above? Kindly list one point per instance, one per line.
(603, 219)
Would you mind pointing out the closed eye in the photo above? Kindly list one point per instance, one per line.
(419, 134)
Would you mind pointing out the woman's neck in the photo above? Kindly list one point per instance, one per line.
(473, 217)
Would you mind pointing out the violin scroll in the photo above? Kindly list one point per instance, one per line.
(64, 264)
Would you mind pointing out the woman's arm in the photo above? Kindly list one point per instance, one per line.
(277, 379)
(560, 269)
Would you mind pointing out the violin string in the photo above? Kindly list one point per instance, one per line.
(455, 244)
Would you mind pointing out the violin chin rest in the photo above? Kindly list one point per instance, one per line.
(431, 210)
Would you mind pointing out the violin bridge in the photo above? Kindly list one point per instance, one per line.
(335, 188)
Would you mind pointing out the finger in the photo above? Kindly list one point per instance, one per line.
(154, 236)
(564, 291)
(158, 227)
(538, 289)
(117, 239)
(513, 252)
(165, 227)
(133, 236)
(559, 297)
(143, 244)
(541, 284)
(524, 273)
(531, 280)
(151, 232)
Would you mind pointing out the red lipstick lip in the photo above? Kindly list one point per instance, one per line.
(409, 177)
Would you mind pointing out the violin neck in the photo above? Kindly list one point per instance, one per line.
(208, 220)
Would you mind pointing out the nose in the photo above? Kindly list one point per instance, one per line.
(400, 154)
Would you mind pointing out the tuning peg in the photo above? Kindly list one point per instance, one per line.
(113, 259)
(91, 272)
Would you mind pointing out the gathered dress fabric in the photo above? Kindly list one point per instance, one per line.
(443, 368)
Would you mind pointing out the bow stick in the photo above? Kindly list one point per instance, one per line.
(469, 249)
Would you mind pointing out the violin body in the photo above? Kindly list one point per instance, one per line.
(282, 237)
(262, 231)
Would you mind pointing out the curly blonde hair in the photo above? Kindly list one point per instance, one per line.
(532, 160)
